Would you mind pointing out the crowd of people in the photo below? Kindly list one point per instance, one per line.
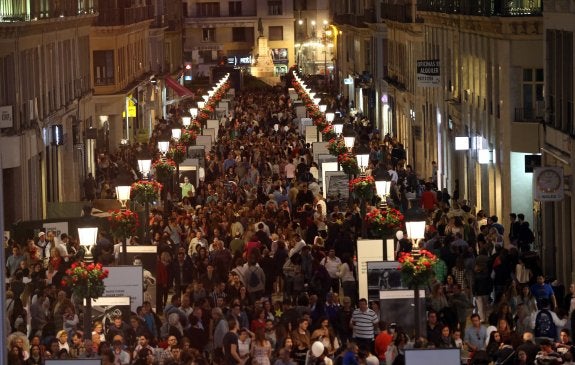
(256, 267)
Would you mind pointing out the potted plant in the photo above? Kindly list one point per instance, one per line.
(164, 169)
(384, 222)
(144, 191)
(123, 223)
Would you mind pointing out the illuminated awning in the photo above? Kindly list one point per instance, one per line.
(179, 89)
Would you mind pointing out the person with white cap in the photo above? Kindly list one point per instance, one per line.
(44, 245)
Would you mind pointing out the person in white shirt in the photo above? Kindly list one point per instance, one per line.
(332, 263)
(61, 246)
(197, 240)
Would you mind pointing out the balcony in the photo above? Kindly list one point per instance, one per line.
(398, 13)
(117, 16)
(34, 13)
(529, 115)
(483, 7)
(358, 21)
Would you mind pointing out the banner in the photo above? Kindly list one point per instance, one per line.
(311, 134)
(428, 73)
(125, 281)
(367, 250)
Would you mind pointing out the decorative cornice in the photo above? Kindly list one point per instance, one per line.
(28, 28)
(495, 27)
(121, 29)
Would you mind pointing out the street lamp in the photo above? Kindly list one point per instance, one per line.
(145, 165)
(176, 134)
(205, 97)
(330, 117)
(201, 104)
(316, 101)
(337, 126)
(88, 237)
(382, 187)
(194, 112)
(163, 147)
(415, 220)
(123, 194)
(362, 155)
(186, 121)
(348, 138)
(322, 108)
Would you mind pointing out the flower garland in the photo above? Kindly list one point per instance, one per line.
(86, 280)
(123, 223)
(362, 187)
(145, 191)
(416, 269)
(384, 222)
(164, 169)
(188, 136)
(348, 163)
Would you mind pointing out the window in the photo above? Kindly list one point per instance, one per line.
(208, 9)
(533, 93)
(208, 34)
(235, 8)
(559, 84)
(206, 55)
(185, 9)
(238, 34)
(103, 67)
(276, 33)
(275, 8)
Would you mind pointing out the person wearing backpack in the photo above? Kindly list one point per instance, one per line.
(545, 322)
(254, 276)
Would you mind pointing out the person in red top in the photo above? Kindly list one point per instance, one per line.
(383, 339)
(428, 199)
(163, 280)
(259, 321)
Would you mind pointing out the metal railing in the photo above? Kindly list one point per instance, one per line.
(483, 7)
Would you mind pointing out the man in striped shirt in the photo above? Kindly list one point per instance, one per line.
(363, 322)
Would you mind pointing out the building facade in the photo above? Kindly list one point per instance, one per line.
(45, 102)
(225, 33)
(558, 223)
(124, 50)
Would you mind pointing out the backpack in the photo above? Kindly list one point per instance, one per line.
(544, 325)
(254, 280)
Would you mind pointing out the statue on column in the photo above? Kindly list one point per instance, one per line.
(260, 27)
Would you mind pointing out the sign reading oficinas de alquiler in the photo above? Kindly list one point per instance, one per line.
(428, 73)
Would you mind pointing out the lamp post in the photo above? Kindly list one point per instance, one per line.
(176, 134)
(194, 112)
(145, 165)
(362, 156)
(88, 237)
(186, 121)
(123, 195)
(415, 220)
